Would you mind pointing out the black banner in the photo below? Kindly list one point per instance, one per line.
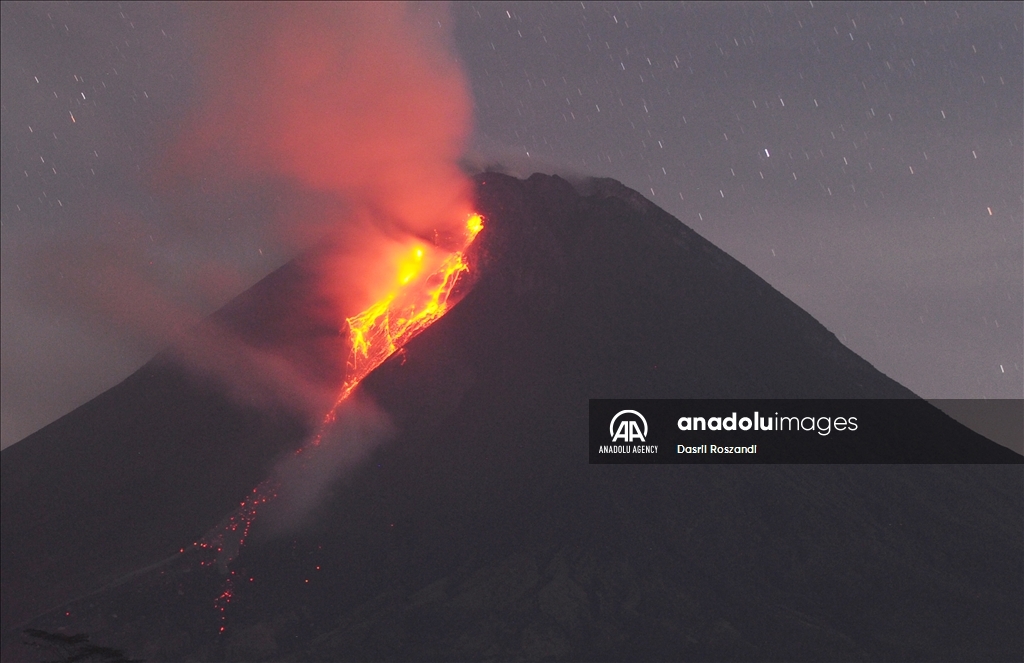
(785, 431)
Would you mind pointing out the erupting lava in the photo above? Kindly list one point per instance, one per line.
(383, 328)
(420, 296)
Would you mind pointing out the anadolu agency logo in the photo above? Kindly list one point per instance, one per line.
(626, 427)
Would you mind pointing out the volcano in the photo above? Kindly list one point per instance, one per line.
(480, 530)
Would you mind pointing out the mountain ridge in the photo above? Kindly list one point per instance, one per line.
(481, 531)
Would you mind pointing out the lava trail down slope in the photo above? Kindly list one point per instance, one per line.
(480, 530)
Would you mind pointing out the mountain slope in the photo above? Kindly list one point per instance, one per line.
(480, 531)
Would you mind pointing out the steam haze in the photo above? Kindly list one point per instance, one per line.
(327, 129)
(303, 479)
(356, 100)
(358, 109)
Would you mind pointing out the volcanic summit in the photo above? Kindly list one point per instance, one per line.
(479, 530)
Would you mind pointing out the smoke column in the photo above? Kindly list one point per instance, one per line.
(362, 112)
(356, 100)
(330, 132)
(358, 108)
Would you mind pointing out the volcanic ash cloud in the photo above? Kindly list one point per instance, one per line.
(358, 109)
(359, 100)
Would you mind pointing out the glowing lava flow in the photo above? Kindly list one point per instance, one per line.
(380, 330)
(390, 323)
(375, 334)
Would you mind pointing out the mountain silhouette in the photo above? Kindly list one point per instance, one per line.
(480, 530)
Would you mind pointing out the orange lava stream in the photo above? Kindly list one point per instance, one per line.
(375, 334)
(414, 305)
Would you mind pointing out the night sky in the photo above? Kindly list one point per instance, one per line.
(864, 159)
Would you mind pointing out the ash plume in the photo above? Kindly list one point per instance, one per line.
(358, 101)
(358, 108)
(345, 122)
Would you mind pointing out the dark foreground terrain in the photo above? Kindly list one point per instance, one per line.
(480, 531)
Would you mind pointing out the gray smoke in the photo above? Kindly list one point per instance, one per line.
(304, 479)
